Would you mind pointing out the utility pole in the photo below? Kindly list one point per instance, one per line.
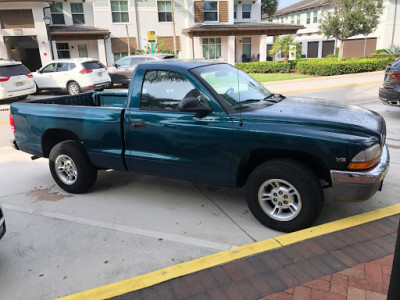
(173, 24)
(127, 37)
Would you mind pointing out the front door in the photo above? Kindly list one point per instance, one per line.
(45, 78)
(161, 140)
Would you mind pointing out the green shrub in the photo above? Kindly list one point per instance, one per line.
(385, 55)
(380, 51)
(329, 67)
(264, 67)
(331, 56)
(337, 51)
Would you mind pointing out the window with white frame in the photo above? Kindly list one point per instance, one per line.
(210, 11)
(63, 50)
(292, 19)
(211, 48)
(315, 20)
(298, 18)
(246, 11)
(78, 16)
(308, 17)
(83, 50)
(57, 14)
(119, 10)
(164, 11)
(234, 10)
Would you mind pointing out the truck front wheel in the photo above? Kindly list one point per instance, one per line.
(71, 168)
(284, 195)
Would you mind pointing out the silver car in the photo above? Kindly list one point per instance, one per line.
(2, 224)
(121, 71)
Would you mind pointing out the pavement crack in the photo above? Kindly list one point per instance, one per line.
(228, 216)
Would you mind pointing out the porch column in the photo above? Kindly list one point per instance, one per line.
(319, 49)
(3, 49)
(263, 48)
(231, 49)
(101, 47)
(54, 46)
(197, 47)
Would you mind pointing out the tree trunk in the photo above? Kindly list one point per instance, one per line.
(340, 56)
(285, 57)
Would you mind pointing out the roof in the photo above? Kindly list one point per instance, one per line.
(80, 60)
(55, 30)
(254, 28)
(302, 5)
(180, 64)
(9, 62)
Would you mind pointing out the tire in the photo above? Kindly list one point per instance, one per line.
(284, 195)
(73, 88)
(37, 92)
(71, 167)
(22, 97)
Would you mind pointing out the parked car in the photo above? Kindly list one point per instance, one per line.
(122, 70)
(15, 80)
(72, 75)
(193, 121)
(389, 92)
(2, 224)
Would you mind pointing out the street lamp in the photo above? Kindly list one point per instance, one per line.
(47, 21)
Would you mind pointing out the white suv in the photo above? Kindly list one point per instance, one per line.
(72, 75)
(15, 80)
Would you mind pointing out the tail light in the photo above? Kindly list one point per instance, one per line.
(85, 71)
(29, 75)
(395, 76)
(12, 123)
(4, 78)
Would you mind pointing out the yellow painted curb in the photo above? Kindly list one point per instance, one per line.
(150, 279)
(4, 123)
(333, 87)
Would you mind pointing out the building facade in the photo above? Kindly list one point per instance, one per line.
(228, 30)
(315, 45)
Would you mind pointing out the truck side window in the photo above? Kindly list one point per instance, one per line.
(162, 90)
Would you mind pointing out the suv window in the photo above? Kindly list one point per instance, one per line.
(13, 70)
(72, 66)
(49, 68)
(93, 65)
(137, 60)
(163, 90)
(62, 67)
(123, 62)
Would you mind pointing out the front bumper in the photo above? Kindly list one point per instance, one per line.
(360, 186)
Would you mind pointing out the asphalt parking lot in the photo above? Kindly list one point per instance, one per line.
(131, 224)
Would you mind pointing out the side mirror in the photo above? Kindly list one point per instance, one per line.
(196, 105)
(116, 65)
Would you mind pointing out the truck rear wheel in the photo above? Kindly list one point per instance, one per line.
(71, 168)
(284, 195)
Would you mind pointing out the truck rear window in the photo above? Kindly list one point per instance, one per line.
(13, 70)
(93, 65)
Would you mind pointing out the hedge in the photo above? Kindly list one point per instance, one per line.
(264, 67)
(329, 67)
(385, 55)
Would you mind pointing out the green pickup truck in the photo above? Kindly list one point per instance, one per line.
(209, 122)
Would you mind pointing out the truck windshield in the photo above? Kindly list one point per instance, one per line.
(237, 89)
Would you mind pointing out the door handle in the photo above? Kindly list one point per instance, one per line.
(138, 124)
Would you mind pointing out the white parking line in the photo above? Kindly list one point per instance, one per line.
(123, 228)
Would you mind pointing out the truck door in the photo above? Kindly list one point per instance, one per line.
(161, 140)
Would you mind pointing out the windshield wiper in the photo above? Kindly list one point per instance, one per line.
(274, 98)
(236, 105)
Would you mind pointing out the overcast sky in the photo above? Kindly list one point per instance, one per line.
(284, 3)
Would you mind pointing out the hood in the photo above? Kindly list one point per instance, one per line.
(320, 113)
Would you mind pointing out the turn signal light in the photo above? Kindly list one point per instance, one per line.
(395, 76)
(363, 165)
(12, 123)
(29, 75)
(84, 71)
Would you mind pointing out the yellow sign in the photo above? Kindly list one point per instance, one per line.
(151, 36)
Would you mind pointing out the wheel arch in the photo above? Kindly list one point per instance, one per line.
(254, 158)
(52, 137)
(70, 81)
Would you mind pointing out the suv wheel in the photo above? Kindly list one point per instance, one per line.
(73, 88)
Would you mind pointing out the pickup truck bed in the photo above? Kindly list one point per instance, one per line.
(97, 114)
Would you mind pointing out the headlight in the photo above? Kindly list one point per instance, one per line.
(366, 158)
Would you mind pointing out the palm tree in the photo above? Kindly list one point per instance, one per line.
(286, 45)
